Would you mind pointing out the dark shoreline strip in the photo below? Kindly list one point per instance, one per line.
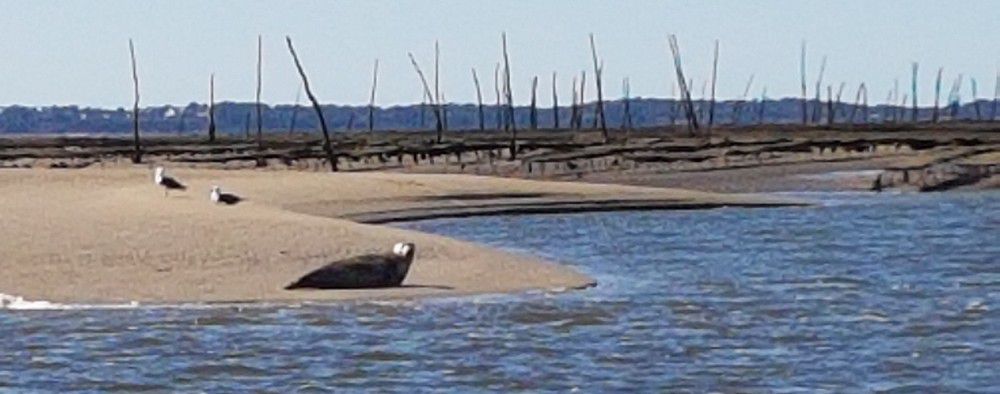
(409, 215)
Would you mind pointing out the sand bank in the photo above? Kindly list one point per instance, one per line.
(110, 235)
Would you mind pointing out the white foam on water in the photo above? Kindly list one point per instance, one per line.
(11, 302)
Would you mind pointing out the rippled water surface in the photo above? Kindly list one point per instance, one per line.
(862, 293)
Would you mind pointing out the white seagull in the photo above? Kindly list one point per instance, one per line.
(218, 196)
(167, 182)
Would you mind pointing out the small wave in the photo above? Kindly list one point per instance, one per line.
(12, 302)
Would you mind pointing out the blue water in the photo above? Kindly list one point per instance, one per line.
(861, 293)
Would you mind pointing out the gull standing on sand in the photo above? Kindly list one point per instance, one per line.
(167, 182)
(366, 271)
(218, 196)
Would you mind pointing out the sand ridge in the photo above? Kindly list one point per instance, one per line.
(110, 235)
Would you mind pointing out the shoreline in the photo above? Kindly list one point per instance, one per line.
(109, 236)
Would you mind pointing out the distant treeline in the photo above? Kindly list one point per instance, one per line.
(238, 118)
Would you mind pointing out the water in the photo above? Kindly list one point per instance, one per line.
(864, 293)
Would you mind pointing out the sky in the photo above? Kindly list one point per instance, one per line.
(76, 52)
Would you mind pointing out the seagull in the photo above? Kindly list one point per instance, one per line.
(358, 272)
(167, 182)
(218, 196)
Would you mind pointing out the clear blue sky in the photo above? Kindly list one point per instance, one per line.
(76, 52)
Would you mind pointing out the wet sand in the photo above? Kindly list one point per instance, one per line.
(109, 234)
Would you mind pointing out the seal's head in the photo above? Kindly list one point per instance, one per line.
(403, 249)
(158, 175)
(216, 193)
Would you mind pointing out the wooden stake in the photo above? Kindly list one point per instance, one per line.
(435, 106)
(711, 103)
(533, 115)
(510, 98)
(573, 106)
(953, 97)
(327, 145)
(437, 90)
(627, 118)
(685, 92)
(583, 104)
(802, 72)
(738, 106)
(479, 99)
(137, 150)
(975, 100)
(371, 100)
(761, 109)
(837, 106)
(496, 87)
(996, 98)
(600, 94)
(857, 104)
(211, 108)
(817, 106)
(260, 120)
(597, 109)
(937, 96)
(555, 104)
(914, 116)
(829, 105)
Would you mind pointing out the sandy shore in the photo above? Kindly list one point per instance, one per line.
(109, 235)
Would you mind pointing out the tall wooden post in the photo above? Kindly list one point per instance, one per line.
(818, 105)
(555, 103)
(260, 119)
(371, 99)
(572, 106)
(327, 145)
(937, 96)
(802, 72)
(685, 91)
(510, 99)
(914, 116)
(211, 108)
(711, 104)
(435, 106)
(600, 89)
(496, 87)
(479, 100)
(137, 150)
(295, 112)
(533, 118)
